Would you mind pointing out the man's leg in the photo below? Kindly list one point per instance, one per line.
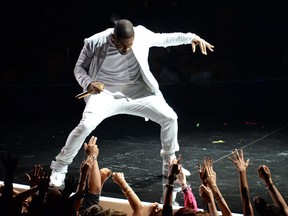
(98, 108)
(73, 144)
(156, 109)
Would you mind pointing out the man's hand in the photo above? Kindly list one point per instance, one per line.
(95, 87)
(202, 44)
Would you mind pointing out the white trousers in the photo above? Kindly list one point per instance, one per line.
(101, 106)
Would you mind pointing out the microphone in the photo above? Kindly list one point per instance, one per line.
(82, 95)
(116, 95)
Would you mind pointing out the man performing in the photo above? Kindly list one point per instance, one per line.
(118, 59)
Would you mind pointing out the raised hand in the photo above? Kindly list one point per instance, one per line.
(181, 178)
(91, 148)
(105, 175)
(174, 167)
(206, 193)
(118, 178)
(238, 159)
(202, 174)
(211, 174)
(206, 173)
(43, 183)
(264, 173)
(36, 174)
(133, 199)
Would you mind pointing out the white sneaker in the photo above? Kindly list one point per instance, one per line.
(57, 179)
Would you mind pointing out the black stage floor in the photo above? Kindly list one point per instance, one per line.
(214, 118)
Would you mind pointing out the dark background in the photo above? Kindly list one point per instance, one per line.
(237, 94)
(41, 40)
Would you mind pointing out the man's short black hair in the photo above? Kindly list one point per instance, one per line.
(123, 29)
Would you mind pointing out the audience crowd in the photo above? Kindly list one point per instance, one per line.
(80, 195)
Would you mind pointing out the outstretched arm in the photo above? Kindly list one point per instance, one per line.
(265, 174)
(238, 159)
(210, 179)
(85, 168)
(132, 197)
(189, 198)
(207, 195)
(94, 180)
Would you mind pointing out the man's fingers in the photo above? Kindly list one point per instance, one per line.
(193, 47)
(210, 47)
(203, 48)
(100, 86)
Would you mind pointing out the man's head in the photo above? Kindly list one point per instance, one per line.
(123, 36)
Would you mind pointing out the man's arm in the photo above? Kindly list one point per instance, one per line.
(82, 67)
(173, 39)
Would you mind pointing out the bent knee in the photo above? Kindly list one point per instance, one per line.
(172, 117)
